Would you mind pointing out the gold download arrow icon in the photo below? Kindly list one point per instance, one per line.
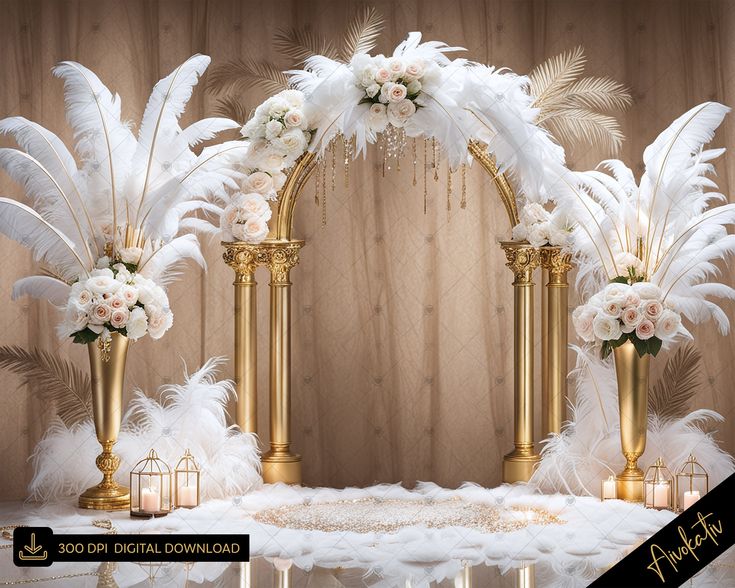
(32, 549)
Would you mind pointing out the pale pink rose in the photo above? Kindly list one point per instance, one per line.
(116, 302)
(400, 112)
(668, 324)
(255, 205)
(75, 320)
(230, 214)
(645, 330)
(119, 317)
(582, 318)
(612, 308)
(414, 70)
(260, 182)
(254, 230)
(397, 93)
(396, 68)
(653, 309)
(632, 298)
(294, 118)
(159, 322)
(84, 297)
(129, 294)
(630, 317)
(382, 76)
(101, 313)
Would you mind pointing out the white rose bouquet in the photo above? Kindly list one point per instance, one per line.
(624, 312)
(540, 227)
(391, 86)
(115, 298)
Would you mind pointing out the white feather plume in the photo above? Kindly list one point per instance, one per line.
(189, 416)
(44, 287)
(160, 266)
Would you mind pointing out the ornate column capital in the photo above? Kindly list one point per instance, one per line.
(522, 258)
(278, 256)
(556, 261)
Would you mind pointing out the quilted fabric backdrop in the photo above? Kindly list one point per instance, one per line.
(402, 356)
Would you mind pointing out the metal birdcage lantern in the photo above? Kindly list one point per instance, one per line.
(150, 487)
(608, 488)
(692, 482)
(658, 487)
(187, 476)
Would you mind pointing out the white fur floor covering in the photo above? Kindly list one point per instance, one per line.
(594, 536)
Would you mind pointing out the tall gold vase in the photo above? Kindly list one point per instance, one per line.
(107, 366)
(632, 374)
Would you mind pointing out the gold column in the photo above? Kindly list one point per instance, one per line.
(464, 578)
(522, 259)
(554, 337)
(241, 257)
(526, 576)
(280, 464)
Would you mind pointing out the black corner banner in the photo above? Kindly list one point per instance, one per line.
(38, 546)
(683, 547)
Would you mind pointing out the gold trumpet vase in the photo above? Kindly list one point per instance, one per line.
(632, 375)
(107, 366)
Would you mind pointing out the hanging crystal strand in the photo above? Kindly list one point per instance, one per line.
(333, 149)
(316, 182)
(346, 152)
(324, 192)
(433, 164)
(426, 162)
(449, 188)
(463, 200)
(382, 153)
(413, 152)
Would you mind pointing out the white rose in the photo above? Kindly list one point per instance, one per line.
(397, 93)
(396, 67)
(626, 260)
(668, 325)
(378, 118)
(122, 274)
(259, 182)
(159, 322)
(616, 291)
(129, 294)
(130, 254)
(83, 298)
(252, 129)
(119, 317)
(100, 314)
(520, 232)
(105, 271)
(647, 291)
(102, 285)
(255, 205)
(104, 261)
(414, 70)
(291, 142)
(582, 318)
(535, 212)
(279, 179)
(367, 76)
(413, 87)
(273, 128)
(652, 309)
(372, 90)
(596, 300)
(145, 293)
(382, 75)
(254, 230)
(277, 107)
(294, 118)
(630, 317)
(606, 327)
(75, 319)
(229, 215)
(269, 160)
(645, 330)
(137, 323)
(294, 97)
(537, 235)
(400, 112)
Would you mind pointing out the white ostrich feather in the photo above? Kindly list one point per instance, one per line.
(45, 287)
(161, 265)
(207, 128)
(588, 448)
(189, 416)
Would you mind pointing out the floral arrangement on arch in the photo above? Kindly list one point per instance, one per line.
(111, 225)
(647, 250)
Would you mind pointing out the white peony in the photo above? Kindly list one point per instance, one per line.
(626, 260)
(294, 97)
(130, 255)
(668, 325)
(617, 292)
(254, 230)
(537, 235)
(645, 330)
(519, 232)
(102, 284)
(535, 212)
(137, 324)
(105, 271)
(103, 262)
(606, 327)
(582, 318)
(647, 290)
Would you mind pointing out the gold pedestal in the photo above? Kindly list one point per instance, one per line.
(632, 375)
(519, 464)
(284, 468)
(107, 366)
(554, 337)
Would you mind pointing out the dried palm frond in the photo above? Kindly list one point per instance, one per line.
(300, 44)
(55, 380)
(243, 74)
(572, 107)
(362, 33)
(231, 107)
(671, 396)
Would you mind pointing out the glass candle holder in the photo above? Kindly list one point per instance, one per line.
(692, 482)
(658, 487)
(608, 489)
(186, 482)
(150, 487)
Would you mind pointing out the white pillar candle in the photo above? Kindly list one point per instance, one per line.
(150, 500)
(608, 489)
(661, 495)
(690, 498)
(187, 496)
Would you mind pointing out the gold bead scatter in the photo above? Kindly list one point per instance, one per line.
(374, 515)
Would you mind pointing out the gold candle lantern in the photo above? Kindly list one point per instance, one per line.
(150, 487)
(608, 489)
(186, 482)
(692, 482)
(658, 487)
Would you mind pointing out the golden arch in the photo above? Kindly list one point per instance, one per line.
(280, 253)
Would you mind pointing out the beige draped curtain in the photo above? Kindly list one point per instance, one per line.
(402, 322)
